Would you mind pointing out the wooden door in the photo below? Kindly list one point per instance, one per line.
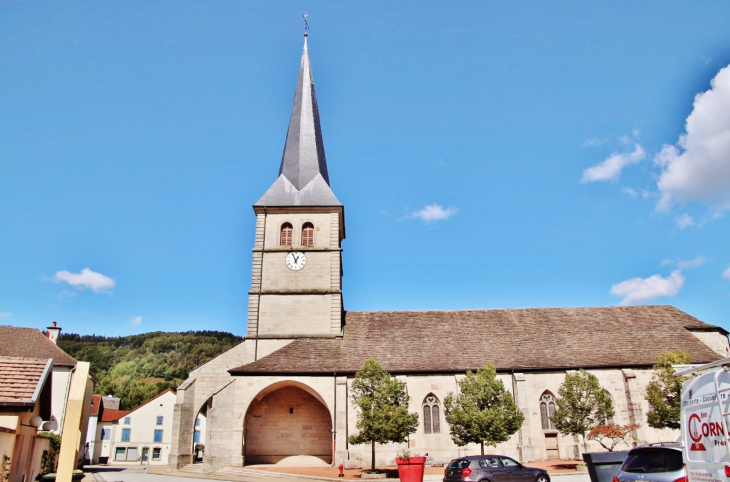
(551, 446)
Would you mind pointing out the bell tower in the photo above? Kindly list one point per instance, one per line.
(296, 283)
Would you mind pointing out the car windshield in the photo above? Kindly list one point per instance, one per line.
(653, 461)
(459, 464)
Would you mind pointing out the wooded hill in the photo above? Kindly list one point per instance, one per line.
(139, 367)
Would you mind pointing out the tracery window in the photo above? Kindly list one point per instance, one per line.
(308, 234)
(286, 234)
(431, 414)
(547, 410)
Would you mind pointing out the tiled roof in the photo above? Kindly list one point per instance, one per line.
(111, 415)
(31, 343)
(519, 339)
(22, 379)
(95, 405)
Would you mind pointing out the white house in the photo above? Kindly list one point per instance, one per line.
(139, 436)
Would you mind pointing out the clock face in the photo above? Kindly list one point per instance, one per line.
(295, 260)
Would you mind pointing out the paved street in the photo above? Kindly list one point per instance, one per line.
(135, 474)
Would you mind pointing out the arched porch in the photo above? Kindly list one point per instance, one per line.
(287, 419)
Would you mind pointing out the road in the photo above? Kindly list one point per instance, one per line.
(135, 474)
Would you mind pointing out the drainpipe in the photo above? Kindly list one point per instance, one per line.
(334, 424)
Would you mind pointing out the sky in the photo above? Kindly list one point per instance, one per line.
(488, 154)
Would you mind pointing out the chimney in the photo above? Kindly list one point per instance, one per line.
(53, 332)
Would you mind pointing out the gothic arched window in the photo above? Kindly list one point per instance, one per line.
(308, 234)
(547, 409)
(286, 234)
(431, 414)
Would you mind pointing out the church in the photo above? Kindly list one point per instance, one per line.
(285, 390)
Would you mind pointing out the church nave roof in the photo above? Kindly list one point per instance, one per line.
(516, 339)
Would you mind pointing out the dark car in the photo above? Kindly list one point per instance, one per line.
(653, 463)
(492, 468)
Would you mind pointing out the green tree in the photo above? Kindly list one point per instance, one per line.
(581, 405)
(141, 366)
(382, 408)
(483, 411)
(664, 392)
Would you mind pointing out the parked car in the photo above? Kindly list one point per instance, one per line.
(492, 468)
(653, 463)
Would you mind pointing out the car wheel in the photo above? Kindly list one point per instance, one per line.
(541, 478)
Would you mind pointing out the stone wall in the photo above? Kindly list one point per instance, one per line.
(289, 421)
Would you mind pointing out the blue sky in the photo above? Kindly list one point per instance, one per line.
(489, 155)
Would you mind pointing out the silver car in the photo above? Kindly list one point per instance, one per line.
(653, 463)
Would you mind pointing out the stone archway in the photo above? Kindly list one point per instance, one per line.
(286, 420)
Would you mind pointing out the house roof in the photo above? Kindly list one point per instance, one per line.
(518, 339)
(111, 415)
(31, 343)
(151, 399)
(22, 380)
(95, 405)
(303, 179)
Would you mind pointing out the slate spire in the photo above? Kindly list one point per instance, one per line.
(303, 178)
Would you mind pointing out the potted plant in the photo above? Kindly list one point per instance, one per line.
(410, 468)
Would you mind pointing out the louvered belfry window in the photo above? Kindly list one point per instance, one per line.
(286, 234)
(308, 234)
(431, 414)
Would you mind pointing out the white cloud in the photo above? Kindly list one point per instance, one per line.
(594, 142)
(4, 314)
(434, 212)
(726, 273)
(691, 263)
(629, 191)
(638, 290)
(96, 282)
(135, 320)
(610, 169)
(684, 221)
(698, 167)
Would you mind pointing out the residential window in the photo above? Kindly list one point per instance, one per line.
(132, 453)
(127, 420)
(158, 435)
(156, 453)
(286, 234)
(197, 422)
(159, 420)
(125, 453)
(431, 414)
(125, 434)
(196, 436)
(547, 410)
(308, 234)
(106, 433)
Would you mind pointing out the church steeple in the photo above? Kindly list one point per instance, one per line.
(303, 179)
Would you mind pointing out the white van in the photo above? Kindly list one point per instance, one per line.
(704, 422)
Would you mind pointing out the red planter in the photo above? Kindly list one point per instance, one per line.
(410, 469)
